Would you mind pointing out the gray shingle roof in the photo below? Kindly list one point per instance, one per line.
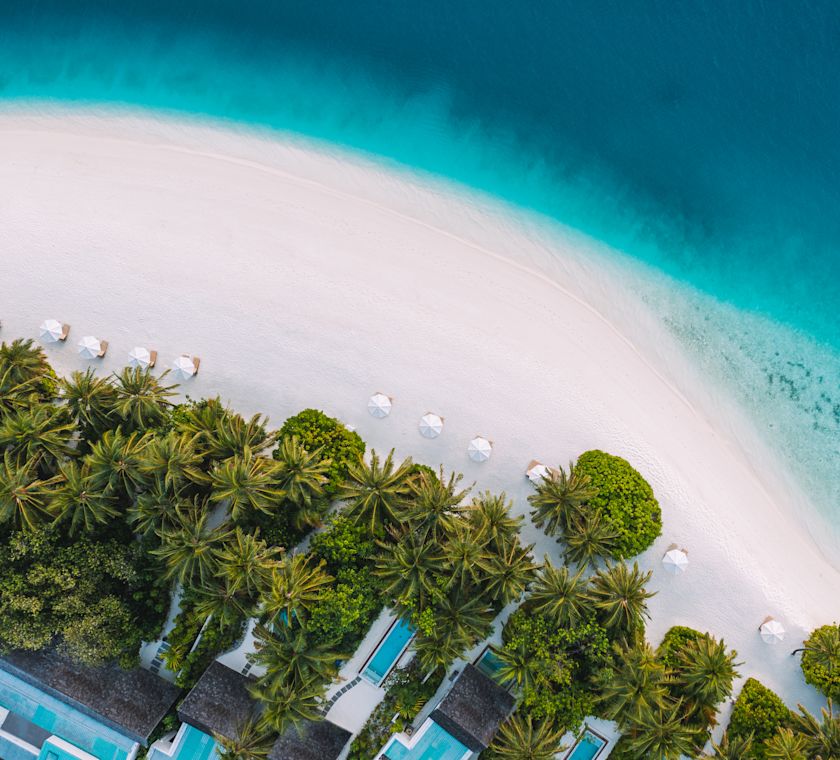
(473, 709)
(132, 702)
(219, 703)
(317, 740)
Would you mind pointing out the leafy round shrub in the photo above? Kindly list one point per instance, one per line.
(821, 660)
(760, 712)
(316, 430)
(625, 499)
(675, 640)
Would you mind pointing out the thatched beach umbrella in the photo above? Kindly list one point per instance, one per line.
(379, 405)
(185, 366)
(92, 348)
(675, 560)
(431, 425)
(52, 331)
(141, 357)
(772, 631)
(536, 471)
(479, 449)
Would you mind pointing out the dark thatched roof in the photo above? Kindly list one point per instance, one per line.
(219, 703)
(131, 702)
(317, 740)
(473, 709)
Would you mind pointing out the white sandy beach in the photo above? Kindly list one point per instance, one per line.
(304, 278)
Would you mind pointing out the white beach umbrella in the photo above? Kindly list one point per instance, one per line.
(772, 631)
(536, 472)
(140, 357)
(675, 561)
(379, 406)
(184, 367)
(90, 347)
(431, 425)
(51, 330)
(479, 449)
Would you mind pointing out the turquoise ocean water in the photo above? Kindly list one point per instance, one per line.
(702, 139)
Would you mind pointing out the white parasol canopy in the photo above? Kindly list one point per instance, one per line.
(772, 631)
(184, 367)
(431, 425)
(479, 449)
(536, 472)
(51, 330)
(379, 406)
(675, 561)
(90, 347)
(140, 357)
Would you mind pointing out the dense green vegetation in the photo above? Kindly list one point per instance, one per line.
(757, 716)
(821, 660)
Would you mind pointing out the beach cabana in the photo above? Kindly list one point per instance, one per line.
(479, 449)
(186, 366)
(219, 703)
(379, 405)
(431, 425)
(141, 357)
(313, 740)
(52, 331)
(92, 348)
(536, 471)
(675, 560)
(772, 631)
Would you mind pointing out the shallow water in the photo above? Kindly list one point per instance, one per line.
(700, 139)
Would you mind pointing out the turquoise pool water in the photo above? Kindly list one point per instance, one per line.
(193, 745)
(388, 652)
(489, 664)
(587, 748)
(434, 744)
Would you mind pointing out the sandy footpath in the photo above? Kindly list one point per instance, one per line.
(303, 278)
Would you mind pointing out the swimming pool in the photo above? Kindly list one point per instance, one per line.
(489, 664)
(388, 652)
(434, 743)
(588, 747)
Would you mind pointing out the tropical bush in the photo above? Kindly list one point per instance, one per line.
(821, 660)
(318, 432)
(758, 713)
(674, 642)
(625, 499)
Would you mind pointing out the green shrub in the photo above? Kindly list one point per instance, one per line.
(625, 499)
(215, 640)
(821, 660)
(760, 712)
(673, 642)
(344, 545)
(338, 444)
(344, 612)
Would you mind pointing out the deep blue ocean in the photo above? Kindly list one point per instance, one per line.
(702, 138)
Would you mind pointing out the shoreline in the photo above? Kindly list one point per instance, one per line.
(335, 277)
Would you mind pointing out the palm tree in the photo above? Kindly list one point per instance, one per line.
(489, 514)
(16, 395)
(173, 461)
(520, 738)
(375, 492)
(509, 572)
(301, 474)
(78, 503)
(637, 688)
(518, 665)
(90, 400)
(221, 599)
(662, 734)
(822, 737)
(232, 435)
(468, 614)
(619, 596)
(705, 672)
(409, 567)
(294, 588)
(251, 742)
(558, 594)
(24, 497)
(156, 509)
(821, 654)
(189, 547)
(24, 360)
(201, 419)
(246, 561)
(41, 433)
(440, 647)
(466, 555)
(116, 462)
(588, 537)
(288, 654)
(142, 399)
(434, 504)
(731, 747)
(786, 745)
(288, 705)
(248, 483)
(559, 497)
